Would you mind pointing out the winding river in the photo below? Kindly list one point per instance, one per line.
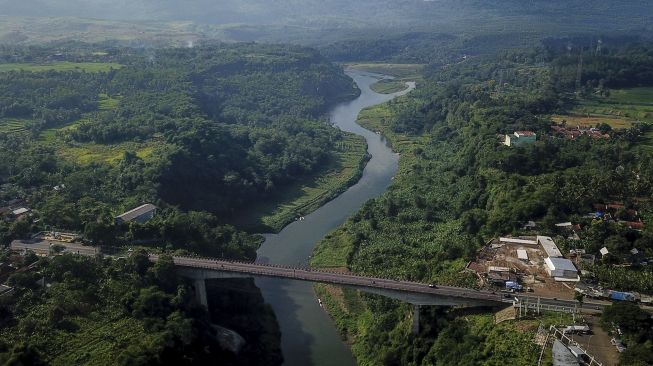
(308, 334)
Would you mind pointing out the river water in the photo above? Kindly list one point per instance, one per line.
(309, 337)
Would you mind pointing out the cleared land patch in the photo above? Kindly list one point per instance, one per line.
(575, 120)
(629, 105)
(397, 70)
(61, 66)
(389, 86)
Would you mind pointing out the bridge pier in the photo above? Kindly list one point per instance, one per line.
(200, 292)
(416, 309)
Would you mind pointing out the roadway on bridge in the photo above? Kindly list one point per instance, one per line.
(305, 274)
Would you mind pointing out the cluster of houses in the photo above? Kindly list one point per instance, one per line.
(618, 212)
(520, 138)
(573, 133)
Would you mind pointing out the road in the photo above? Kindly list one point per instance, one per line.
(322, 276)
(41, 246)
(305, 274)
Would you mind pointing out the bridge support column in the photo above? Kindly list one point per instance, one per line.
(416, 309)
(200, 292)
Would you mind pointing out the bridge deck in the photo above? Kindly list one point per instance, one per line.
(336, 278)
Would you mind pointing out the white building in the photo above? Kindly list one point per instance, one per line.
(561, 269)
(523, 241)
(549, 246)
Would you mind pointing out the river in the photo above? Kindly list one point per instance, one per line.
(308, 335)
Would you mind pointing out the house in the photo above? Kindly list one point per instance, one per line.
(549, 247)
(139, 214)
(520, 138)
(561, 269)
(604, 251)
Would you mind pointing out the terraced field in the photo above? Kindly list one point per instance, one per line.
(14, 126)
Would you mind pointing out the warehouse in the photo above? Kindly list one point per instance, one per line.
(561, 269)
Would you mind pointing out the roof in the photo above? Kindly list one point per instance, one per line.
(524, 133)
(604, 251)
(518, 241)
(20, 211)
(560, 264)
(136, 212)
(549, 246)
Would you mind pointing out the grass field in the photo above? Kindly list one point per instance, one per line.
(60, 66)
(619, 110)
(388, 86)
(401, 71)
(111, 154)
(87, 153)
(309, 194)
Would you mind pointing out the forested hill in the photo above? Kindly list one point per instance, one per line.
(208, 129)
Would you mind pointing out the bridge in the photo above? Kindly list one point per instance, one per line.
(416, 293)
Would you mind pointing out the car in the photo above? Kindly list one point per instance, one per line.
(432, 285)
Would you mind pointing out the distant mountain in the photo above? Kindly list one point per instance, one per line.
(310, 21)
(369, 12)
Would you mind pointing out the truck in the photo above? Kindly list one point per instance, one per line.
(621, 296)
(513, 286)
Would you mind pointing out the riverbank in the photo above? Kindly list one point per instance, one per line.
(310, 193)
(398, 75)
(309, 336)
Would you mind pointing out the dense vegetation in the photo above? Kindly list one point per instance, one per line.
(76, 310)
(637, 327)
(206, 130)
(458, 186)
(199, 132)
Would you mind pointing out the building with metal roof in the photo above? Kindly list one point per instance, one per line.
(549, 247)
(561, 269)
(139, 214)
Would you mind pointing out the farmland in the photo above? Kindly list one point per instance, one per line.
(87, 153)
(14, 126)
(60, 66)
(620, 109)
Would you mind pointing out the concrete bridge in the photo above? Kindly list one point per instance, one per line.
(416, 293)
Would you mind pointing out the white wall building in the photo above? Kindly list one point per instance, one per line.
(561, 269)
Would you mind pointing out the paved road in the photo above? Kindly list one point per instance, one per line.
(40, 246)
(43, 247)
(370, 282)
